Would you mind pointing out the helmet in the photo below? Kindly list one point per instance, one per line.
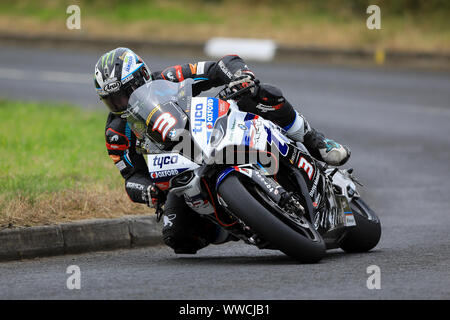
(117, 74)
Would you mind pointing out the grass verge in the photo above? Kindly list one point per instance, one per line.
(54, 166)
(406, 24)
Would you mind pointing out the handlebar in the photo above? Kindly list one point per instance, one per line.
(226, 95)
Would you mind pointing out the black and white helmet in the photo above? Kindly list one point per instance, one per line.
(117, 74)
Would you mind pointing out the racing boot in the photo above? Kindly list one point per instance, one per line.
(320, 147)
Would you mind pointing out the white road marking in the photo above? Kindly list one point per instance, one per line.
(48, 76)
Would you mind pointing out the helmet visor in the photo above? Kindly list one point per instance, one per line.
(116, 102)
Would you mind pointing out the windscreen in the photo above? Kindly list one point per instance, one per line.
(158, 110)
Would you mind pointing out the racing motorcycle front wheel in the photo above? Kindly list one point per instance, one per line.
(293, 235)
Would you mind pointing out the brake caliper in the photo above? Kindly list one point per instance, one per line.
(290, 203)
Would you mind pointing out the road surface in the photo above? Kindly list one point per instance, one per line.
(397, 125)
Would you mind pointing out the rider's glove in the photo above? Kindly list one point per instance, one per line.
(153, 196)
(243, 79)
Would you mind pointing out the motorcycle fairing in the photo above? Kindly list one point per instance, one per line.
(163, 166)
(238, 129)
(204, 113)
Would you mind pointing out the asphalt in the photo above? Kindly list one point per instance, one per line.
(396, 122)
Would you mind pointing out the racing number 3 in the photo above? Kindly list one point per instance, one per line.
(164, 123)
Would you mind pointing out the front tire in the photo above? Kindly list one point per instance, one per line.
(266, 224)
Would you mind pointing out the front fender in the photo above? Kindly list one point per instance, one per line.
(253, 174)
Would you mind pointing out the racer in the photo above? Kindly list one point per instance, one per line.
(120, 71)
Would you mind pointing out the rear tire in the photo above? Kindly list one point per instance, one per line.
(266, 224)
(367, 232)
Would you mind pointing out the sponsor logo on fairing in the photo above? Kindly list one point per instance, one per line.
(210, 113)
(165, 160)
(350, 219)
(172, 134)
(204, 113)
(223, 107)
(293, 156)
(271, 187)
(314, 187)
(242, 126)
(198, 118)
(164, 173)
(209, 118)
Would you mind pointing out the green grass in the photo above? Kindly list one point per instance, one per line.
(48, 147)
(432, 15)
(421, 25)
(118, 11)
(218, 11)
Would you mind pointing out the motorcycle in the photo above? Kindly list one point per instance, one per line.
(243, 173)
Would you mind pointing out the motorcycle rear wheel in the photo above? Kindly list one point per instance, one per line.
(367, 232)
